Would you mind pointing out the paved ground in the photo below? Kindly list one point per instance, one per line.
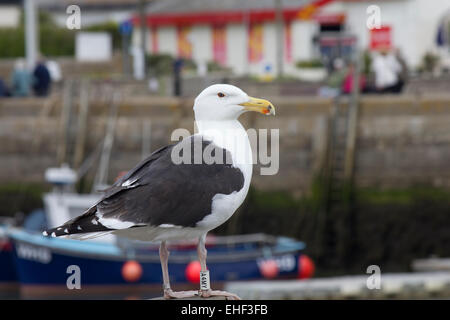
(420, 285)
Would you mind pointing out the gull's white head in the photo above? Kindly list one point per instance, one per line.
(221, 102)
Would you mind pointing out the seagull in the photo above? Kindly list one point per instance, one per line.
(184, 190)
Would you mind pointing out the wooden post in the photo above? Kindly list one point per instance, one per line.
(146, 138)
(102, 173)
(320, 143)
(82, 123)
(65, 121)
(40, 121)
(352, 122)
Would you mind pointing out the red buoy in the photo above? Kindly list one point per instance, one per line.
(192, 272)
(306, 267)
(131, 271)
(269, 269)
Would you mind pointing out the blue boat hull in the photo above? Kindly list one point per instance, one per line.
(8, 276)
(43, 263)
(8, 269)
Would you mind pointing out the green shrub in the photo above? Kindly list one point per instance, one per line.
(20, 197)
(429, 62)
(366, 62)
(389, 228)
(314, 63)
(56, 41)
(12, 43)
(189, 64)
(160, 64)
(53, 40)
(214, 66)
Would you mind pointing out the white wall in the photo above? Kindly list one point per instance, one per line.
(9, 16)
(269, 48)
(167, 40)
(201, 41)
(237, 55)
(414, 24)
(399, 14)
(302, 33)
(428, 17)
(93, 46)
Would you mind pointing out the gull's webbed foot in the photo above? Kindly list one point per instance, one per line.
(169, 294)
(218, 293)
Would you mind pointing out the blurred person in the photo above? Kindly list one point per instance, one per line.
(55, 70)
(202, 68)
(333, 84)
(42, 80)
(387, 70)
(153, 84)
(177, 69)
(4, 91)
(347, 85)
(21, 80)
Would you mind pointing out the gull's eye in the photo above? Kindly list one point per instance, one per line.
(221, 95)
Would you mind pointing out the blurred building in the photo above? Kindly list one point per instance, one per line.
(10, 13)
(242, 35)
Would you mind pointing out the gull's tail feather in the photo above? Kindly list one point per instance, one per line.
(86, 226)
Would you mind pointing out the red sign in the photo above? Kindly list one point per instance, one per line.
(154, 32)
(255, 42)
(288, 42)
(220, 44)
(381, 38)
(184, 43)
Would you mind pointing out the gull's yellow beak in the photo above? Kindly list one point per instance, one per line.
(259, 105)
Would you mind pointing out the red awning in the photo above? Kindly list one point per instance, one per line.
(215, 17)
(238, 16)
(330, 19)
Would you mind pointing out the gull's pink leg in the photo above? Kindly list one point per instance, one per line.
(201, 251)
(168, 293)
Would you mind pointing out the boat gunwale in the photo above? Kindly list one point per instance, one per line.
(112, 252)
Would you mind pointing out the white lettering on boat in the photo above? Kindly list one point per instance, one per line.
(33, 253)
(285, 263)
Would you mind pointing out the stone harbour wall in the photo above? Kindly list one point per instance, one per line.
(401, 140)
